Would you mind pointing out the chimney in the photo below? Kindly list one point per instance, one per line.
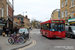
(26, 16)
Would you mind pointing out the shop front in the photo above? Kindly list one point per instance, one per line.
(71, 21)
(10, 22)
(66, 22)
(2, 23)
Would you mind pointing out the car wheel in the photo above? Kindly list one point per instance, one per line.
(71, 36)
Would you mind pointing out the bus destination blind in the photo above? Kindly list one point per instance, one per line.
(57, 21)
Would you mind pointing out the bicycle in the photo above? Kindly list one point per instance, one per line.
(15, 38)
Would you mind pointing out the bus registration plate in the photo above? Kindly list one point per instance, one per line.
(57, 37)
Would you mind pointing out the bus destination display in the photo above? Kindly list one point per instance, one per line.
(57, 21)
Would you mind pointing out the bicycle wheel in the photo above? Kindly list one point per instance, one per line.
(10, 41)
(21, 40)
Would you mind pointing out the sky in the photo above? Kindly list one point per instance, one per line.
(40, 10)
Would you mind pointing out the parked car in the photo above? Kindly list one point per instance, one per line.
(70, 31)
(24, 31)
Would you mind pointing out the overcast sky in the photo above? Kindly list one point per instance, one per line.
(36, 9)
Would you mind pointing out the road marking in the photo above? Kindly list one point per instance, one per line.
(33, 43)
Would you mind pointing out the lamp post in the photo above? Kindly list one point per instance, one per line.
(12, 7)
(12, 10)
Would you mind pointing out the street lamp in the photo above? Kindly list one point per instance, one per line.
(12, 10)
(12, 7)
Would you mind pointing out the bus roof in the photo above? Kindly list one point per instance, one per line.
(49, 21)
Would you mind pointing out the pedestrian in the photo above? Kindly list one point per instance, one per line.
(3, 33)
(10, 31)
(4, 28)
(7, 31)
(15, 30)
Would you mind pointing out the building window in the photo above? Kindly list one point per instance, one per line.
(17, 18)
(59, 15)
(65, 2)
(72, 2)
(7, 10)
(21, 18)
(65, 13)
(1, 12)
(16, 22)
(72, 13)
(62, 4)
(62, 14)
(7, 0)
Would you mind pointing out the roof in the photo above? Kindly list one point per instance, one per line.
(56, 10)
(20, 16)
(17, 16)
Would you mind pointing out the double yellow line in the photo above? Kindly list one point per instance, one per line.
(33, 43)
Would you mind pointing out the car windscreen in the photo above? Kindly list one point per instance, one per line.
(23, 30)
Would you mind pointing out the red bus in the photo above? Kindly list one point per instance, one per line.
(53, 28)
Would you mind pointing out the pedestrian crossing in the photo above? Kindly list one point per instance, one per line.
(34, 32)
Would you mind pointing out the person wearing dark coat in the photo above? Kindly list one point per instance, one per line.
(15, 30)
(7, 31)
(12, 30)
(4, 28)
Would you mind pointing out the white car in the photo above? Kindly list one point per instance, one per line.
(24, 30)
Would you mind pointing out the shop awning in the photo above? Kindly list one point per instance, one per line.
(2, 24)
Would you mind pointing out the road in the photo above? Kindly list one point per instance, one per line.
(43, 43)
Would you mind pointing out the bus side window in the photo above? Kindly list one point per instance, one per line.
(47, 26)
(41, 27)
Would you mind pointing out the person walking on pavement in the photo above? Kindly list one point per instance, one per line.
(7, 31)
(4, 28)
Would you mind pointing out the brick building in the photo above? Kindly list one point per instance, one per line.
(67, 8)
(55, 14)
(20, 20)
(6, 14)
(5, 8)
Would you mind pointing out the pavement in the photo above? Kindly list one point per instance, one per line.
(5, 46)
